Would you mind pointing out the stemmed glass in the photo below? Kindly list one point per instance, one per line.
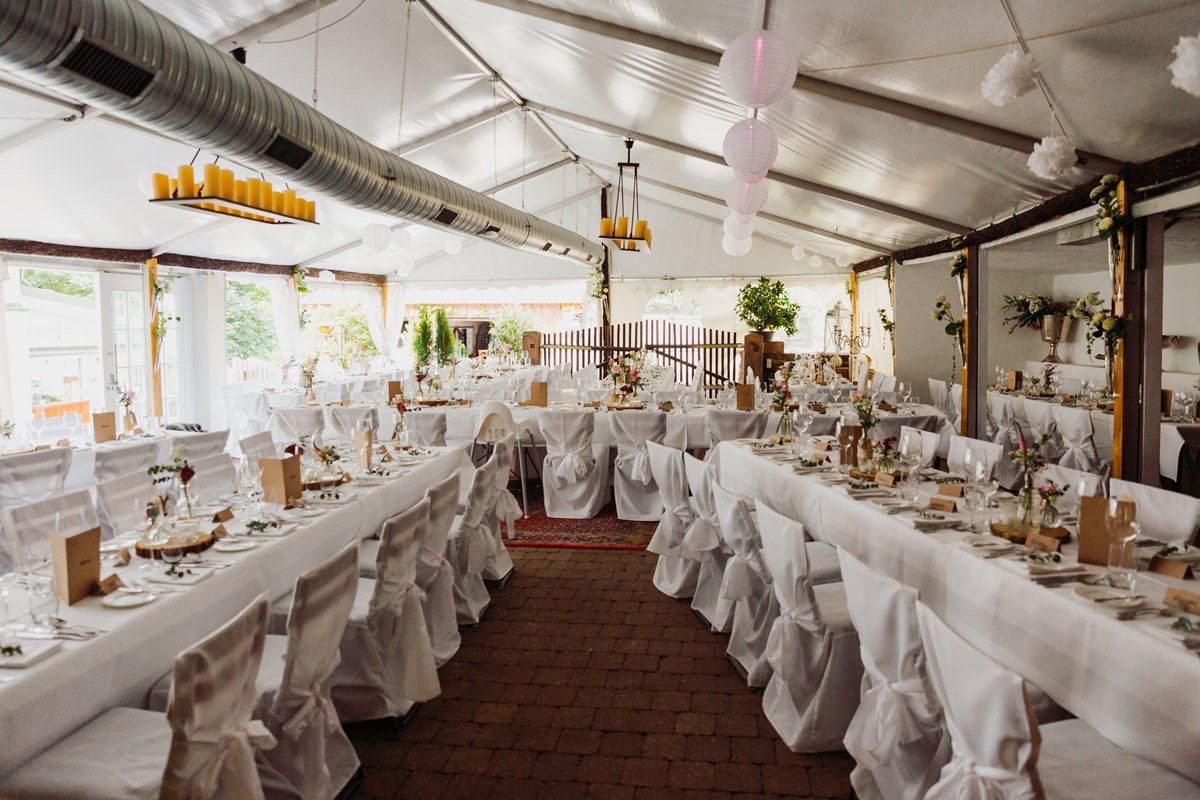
(802, 419)
(912, 454)
(72, 422)
(1120, 519)
(905, 389)
(38, 426)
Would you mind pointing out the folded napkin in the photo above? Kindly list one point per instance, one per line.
(192, 575)
(32, 651)
(862, 494)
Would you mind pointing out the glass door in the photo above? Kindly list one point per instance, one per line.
(125, 340)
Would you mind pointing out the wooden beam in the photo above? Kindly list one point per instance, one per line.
(26, 247)
(1142, 351)
(257, 268)
(974, 391)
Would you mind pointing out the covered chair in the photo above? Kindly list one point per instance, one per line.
(575, 469)
(1169, 516)
(813, 648)
(929, 443)
(260, 445)
(677, 569)
(28, 525)
(200, 445)
(204, 746)
(1074, 484)
(635, 493)
(470, 547)
(294, 424)
(216, 476)
(124, 459)
(939, 398)
(723, 424)
(494, 421)
(703, 538)
(502, 509)
(896, 736)
(1006, 427)
(1078, 436)
(1040, 415)
(344, 420)
(338, 392)
(989, 453)
(998, 749)
(27, 477)
(121, 502)
(427, 428)
(253, 411)
(748, 584)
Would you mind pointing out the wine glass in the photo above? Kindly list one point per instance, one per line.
(975, 501)
(905, 389)
(72, 422)
(38, 426)
(802, 419)
(171, 551)
(1120, 520)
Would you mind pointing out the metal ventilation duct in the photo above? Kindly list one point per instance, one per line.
(121, 56)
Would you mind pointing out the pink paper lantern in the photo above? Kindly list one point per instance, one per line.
(757, 68)
(746, 198)
(737, 226)
(736, 247)
(750, 149)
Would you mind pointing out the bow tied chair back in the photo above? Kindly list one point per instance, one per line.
(1079, 442)
(1040, 415)
(723, 424)
(575, 469)
(747, 584)
(939, 398)
(195, 446)
(636, 494)
(121, 503)
(124, 459)
(703, 539)
(253, 410)
(502, 509)
(677, 569)
(470, 547)
(435, 572)
(896, 737)
(1005, 433)
(27, 477)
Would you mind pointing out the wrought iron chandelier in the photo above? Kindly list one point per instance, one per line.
(616, 228)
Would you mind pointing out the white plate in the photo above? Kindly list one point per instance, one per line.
(234, 546)
(128, 599)
(306, 513)
(892, 504)
(990, 544)
(1110, 597)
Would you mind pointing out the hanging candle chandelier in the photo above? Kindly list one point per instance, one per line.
(616, 228)
(223, 194)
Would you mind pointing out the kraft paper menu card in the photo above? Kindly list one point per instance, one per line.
(745, 397)
(539, 394)
(1093, 533)
(364, 446)
(1015, 379)
(281, 479)
(104, 426)
(395, 389)
(76, 562)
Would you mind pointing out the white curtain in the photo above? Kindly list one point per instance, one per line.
(370, 299)
(285, 307)
(872, 296)
(394, 315)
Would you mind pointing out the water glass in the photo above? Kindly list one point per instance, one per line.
(1122, 565)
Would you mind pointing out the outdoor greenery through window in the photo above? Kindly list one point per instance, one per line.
(673, 305)
(251, 346)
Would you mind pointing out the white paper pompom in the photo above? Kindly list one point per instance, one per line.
(736, 247)
(798, 251)
(1009, 78)
(1185, 69)
(1052, 157)
(843, 260)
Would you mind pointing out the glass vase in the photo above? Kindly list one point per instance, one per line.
(1049, 516)
(1027, 509)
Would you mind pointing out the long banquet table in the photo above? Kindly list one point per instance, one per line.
(1132, 683)
(43, 703)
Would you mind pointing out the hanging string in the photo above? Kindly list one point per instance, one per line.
(495, 136)
(403, 75)
(524, 130)
(1037, 75)
(316, 51)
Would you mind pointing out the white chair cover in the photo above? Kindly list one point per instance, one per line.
(1000, 413)
(723, 424)
(939, 398)
(344, 419)
(33, 476)
(313, 756)
(887, 383)
(1079, 446)
(435, 573)
(501, 508)
(29, 526)
(215, 477)
(748, 584)
(575, 469)
(1070, 481)
(200, 445)
(956, 400)
(813, 649)
(124, 459)
(294, 423)
(427, 428)
(703, 538)
(332, 392)
(930, 442)
(253, 412)
(677, 569)
(1040, 415)
(989, 452)
(1169, 516)
(470, 546)
(121, 502)
(896, 736)
(634, 490)
(260, 445)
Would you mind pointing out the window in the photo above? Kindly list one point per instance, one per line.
(673, 305)
(334, 327)
(251, 345)
(810, 321)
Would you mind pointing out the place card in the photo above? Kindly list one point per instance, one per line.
(539, 394)
(945, 504)
(1188, 601)
(1093, 533)
(104, 426)
(281, 479)
(364, 447)
(817, 408)
(950, 489)
(110, 584)
(63, 443)
(218, 532)
(885, 479)
(666, 405)
(887, 407)
(124, 556)
(395, 390)
(76, 562)
(224, 515)
(745, 397)
(1041, 543)
(821, 446)
(1171, 568)
(1014, 380)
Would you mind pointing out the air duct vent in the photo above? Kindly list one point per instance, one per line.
(284, 151)
(91, 61)
(565, 251)
(546, 247)
(446, 216)
(489, 232)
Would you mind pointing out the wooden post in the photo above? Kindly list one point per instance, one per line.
(1125, 459)
(1141, 357)
(531, 344)
(971, 423)
(752, 355)
(152, 300)
(853, 285)
(606, 272)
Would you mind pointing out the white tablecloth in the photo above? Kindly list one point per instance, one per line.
(44, 703)
(1136, 688)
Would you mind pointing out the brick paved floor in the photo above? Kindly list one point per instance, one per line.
(584, 681)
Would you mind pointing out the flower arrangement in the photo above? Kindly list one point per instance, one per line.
(626, 372)
(308, 370)
(783, 393)
(6, 429)
(1110, 219)
(942, 312)
(1049, 374)
(300, 278)
(865, 409)
(328, 456)
(125, 396)
(178, 468)
(1102, 325)
(1026, 310)
(886, 454)
(765, 306)
(1029, 458)
(958, 265)
(1050, 492)
(297, 448)
(597, 284)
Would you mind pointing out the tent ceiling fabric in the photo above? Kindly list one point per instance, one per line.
(1105, 63)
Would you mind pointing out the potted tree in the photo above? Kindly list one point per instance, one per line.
(766, 308)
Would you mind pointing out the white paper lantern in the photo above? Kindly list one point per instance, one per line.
(1052, 158)
(1185, 69)
(750, 149)
(736, 247)
(1013, 75)
(798, 252)
(757, 68)
(401, 237)
(815, 260)
(843, 260)
(404, 269)
(326, 275)
(746, 198)
(453, 247)
(737, 226)
(376, 236)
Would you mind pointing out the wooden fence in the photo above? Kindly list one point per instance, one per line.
(684, 347)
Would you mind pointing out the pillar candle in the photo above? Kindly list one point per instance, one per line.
(227, 182)
(212, 180)
(622, 226)
(649, 238)
(174, 187)
(606, 226)
(239, 192)
(310, 210)
(277, 202)
(265, 199)
(254, 192)
(161, 184)
(639, 229)
(187, 181)
(289, 202)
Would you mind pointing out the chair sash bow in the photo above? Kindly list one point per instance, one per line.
(889, 714)
(963, 779)
(230, 754)
(635, 464)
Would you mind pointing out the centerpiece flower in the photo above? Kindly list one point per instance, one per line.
(178, 470)
(1029, 458)
(1050, 492)
(308, 374)
(782, 396)
(125, 398)
(6, 429)
(626, 372)
(942, 312)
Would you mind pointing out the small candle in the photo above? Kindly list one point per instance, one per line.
(254, 192)
(161, 185)
(310, 210)
(212, 180)
(227, 182)
(606, 226)
(239, 192)
(639, 229)
(265, 202)
(277, 202)
(622, 226)
(649, 238)
(174, 187)
(289, 202)
(187, 181)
